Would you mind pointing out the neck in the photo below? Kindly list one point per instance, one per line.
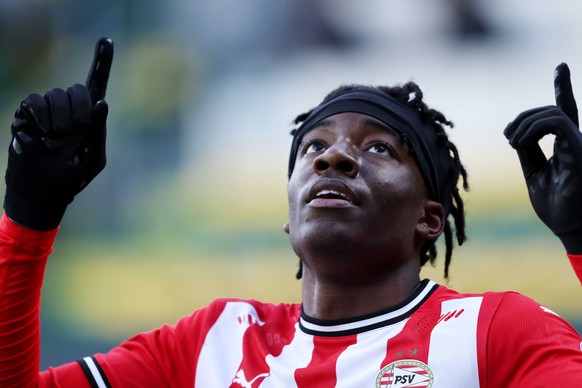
(330, 299)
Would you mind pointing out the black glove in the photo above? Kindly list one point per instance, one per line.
(554, 184)
(58, 146)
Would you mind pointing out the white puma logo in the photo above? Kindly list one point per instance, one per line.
(242, 380)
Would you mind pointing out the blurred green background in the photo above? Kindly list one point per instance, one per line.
(202, 94)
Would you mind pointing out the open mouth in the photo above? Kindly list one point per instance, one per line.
(331, 194)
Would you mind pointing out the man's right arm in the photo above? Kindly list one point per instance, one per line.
(23, 255)
(57, 148)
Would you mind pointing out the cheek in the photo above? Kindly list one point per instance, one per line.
(401, 187)
(292, 197)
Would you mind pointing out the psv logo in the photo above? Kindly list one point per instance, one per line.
(405, 373)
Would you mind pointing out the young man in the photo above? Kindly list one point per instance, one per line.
(372, 185)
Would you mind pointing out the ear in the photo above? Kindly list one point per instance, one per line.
(286, 227)
(432, 222)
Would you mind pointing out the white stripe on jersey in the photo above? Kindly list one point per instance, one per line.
(291, 358)
(216, 367)
(453, 344)
(95, 372)
(359, 364)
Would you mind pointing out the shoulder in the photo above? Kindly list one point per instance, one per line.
(515, 307)
(526, 316)
(509, 323)
(502, 311)
(505, 301)
(518, 325)
(266, 307)
(225, 314)
(243, 309)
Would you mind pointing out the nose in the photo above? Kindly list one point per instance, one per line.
(338, 158)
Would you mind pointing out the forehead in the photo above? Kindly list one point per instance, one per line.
(355, 124)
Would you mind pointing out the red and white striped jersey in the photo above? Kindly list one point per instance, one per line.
(435, 338)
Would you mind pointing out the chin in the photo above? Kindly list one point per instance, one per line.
(328, 238)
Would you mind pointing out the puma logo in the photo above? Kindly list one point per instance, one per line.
(241, 379)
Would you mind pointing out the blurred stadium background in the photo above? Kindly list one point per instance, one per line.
(202, 94)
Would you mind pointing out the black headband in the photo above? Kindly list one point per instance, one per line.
(432, 157)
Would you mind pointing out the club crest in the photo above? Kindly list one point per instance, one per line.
(405, 373)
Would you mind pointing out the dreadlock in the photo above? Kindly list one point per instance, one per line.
(411, 94)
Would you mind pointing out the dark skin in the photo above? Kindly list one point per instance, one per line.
(358, 216)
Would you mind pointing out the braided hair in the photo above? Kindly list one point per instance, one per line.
(411, 94)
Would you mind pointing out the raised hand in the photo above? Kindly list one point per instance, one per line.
(58, 146)
(554, 184)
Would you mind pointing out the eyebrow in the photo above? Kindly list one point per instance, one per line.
(322, 123)
(369, 122)
(382, 126)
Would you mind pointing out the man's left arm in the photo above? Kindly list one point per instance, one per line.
(555, 183)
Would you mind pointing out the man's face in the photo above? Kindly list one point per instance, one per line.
(354, 185)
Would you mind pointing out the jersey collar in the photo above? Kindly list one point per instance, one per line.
(341, 327)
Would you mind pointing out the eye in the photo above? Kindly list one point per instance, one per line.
(314, 146)
(380, 148)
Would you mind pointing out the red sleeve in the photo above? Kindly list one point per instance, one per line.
(67, 375)
(529, 345)
(158, 358)
(576, 261)
(23, 255)
(165, 357)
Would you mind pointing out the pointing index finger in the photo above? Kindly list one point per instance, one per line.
(564, 94)
(100, 68)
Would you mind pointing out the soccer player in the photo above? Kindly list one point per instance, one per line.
(373, 183)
